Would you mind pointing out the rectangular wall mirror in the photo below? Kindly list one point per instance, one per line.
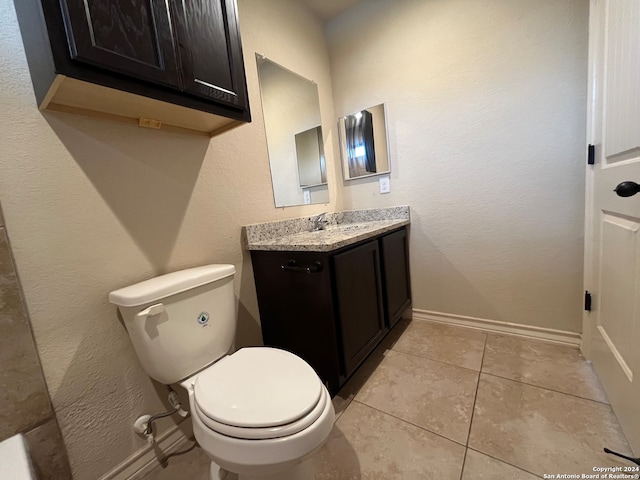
(312, 169)
(291, 110)
(364, 146)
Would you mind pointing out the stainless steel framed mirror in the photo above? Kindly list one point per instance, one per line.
(291, 109)
(364, 145)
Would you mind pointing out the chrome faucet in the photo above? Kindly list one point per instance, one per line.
(319, 221)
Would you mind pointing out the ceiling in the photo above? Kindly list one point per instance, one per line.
(328, 9)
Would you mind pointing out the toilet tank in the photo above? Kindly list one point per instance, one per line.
(180, 322)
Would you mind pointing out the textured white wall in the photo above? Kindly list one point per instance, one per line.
(486, 113)
(93, 206)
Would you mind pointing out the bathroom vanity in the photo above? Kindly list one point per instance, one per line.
(331, 295)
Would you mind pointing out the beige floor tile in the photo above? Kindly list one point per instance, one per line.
(548, 365)
(347, 393)
(359, 378)
(454, 345)
(193, 465)
(480, 467)
(542, 431)
(369, 445)
(430, 394)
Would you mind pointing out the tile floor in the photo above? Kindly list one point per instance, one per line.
(448, 403)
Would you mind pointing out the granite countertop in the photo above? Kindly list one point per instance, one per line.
(342, 229)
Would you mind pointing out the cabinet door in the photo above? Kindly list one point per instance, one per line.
(296, 308)
(132, 37)
(395, 268)
(359, 298)
(210, 50)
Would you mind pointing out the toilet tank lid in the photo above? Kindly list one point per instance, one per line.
(170, 284)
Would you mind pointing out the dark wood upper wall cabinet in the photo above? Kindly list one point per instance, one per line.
(130, 37)
(211, 39)
(157, 63)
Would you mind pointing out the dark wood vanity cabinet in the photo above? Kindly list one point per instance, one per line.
(332, 308)
(186, 54)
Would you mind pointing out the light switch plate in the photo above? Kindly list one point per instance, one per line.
(385, 185)
(307, 197)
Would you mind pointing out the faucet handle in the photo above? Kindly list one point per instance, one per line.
(319, 221)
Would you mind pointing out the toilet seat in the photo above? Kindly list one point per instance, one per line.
(264, 433)
(259, 393)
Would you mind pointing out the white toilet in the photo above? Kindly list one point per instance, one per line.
(257, 411)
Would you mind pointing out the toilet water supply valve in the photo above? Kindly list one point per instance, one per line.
(144, 424)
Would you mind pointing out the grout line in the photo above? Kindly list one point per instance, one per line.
(439, 361)
(464, 461)
(473, 408)
(51, 416)
(545, 388)
(502, 461)
(408, 422)
(347, 403)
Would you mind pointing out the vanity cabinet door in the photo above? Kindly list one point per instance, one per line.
(296, 308)
(359, 302)
(132, 37)
(210, 50)
(395, 267)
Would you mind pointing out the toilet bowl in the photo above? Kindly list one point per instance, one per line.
(257, 411)
(276, 416)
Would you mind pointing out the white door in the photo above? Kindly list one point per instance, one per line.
(612, 247)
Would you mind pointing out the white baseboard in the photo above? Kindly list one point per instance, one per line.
(495, 326)
(146, 459)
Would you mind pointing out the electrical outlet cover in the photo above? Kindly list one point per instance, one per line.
(385, 184)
